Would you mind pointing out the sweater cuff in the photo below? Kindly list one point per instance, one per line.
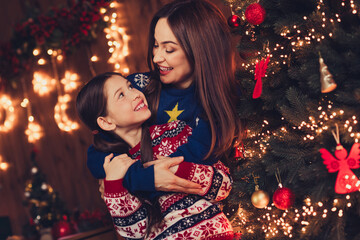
(184, 170)
(114, 186)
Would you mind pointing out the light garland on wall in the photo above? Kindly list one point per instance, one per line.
(117, 38)
(3, 165)
(34, 131)
(7, 114)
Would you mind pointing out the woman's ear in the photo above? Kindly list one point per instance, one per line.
(105, 124)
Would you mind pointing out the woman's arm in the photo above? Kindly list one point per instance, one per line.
(215, 180)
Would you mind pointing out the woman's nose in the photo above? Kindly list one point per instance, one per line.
(158, 57)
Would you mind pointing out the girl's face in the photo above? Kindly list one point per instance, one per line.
(170, 58)
(127, 107)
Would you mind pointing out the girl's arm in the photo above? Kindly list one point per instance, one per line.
(128, 213)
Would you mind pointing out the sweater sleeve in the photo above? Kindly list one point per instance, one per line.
(197, 146)
(95, 162)
(139, 179)
(128, 213)
(215, 180)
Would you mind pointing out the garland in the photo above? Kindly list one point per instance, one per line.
(60, 28)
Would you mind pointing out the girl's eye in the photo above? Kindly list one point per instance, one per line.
(121, 95)
(169, 51)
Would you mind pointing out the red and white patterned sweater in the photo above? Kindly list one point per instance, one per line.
(186, 216)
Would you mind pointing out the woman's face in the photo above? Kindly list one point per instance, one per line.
(170, 58)
(126, 106)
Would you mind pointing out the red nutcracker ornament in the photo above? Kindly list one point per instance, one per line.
(255, 14)
(346, 181)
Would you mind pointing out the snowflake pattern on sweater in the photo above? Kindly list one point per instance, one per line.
(186, 216)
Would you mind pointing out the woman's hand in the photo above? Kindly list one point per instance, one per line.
(117, 168)
(167, 181)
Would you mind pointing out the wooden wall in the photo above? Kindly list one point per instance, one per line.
(62, 156)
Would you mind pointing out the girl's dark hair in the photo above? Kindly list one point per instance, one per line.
(91, 103)
(203, 34)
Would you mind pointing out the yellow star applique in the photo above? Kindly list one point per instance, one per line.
(174, 113)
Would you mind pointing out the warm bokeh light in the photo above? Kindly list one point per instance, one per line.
(7, 114)
(61, 118)
(34, 132)
(70, 81)
(43, 84)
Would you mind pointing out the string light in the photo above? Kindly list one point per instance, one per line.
(70, 81)
(61, 118)
(117, 40)
(43, 84)
(7, 116)
(34, 131)
(3, 165)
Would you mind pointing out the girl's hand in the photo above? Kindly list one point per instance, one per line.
(167, 181)
(117, 168)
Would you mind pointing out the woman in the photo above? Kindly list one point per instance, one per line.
(191, 69)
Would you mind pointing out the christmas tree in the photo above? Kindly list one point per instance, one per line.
(297, 172)
(45, 206)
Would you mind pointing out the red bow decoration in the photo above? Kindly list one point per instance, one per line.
(260, 71)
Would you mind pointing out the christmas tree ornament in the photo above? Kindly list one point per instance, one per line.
(283, 197)
(260, 71)
(255, 14)
(326, 79)
(346, 181)
(61, 229)
(234, 21)
(260, 198)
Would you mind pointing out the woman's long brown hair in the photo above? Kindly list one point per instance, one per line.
(204, 35)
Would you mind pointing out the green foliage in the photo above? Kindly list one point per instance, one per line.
(293, 119)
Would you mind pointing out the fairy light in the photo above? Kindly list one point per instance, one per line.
(117, 39)
(41, 61)
(34, 131)
(7, 116)
(43, 84)
(62, 120)
(3, 165)
(70, 81)
(36, 52)
(94, 58)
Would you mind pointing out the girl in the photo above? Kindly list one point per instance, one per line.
(109, 105)
(191, 69)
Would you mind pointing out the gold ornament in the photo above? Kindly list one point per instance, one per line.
(326, 79)
(260, 198)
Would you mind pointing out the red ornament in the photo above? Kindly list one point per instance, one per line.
(260, 70)
(234, 21)
(61, 229)
(283, 198)
(346, 181)
(255, 14)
